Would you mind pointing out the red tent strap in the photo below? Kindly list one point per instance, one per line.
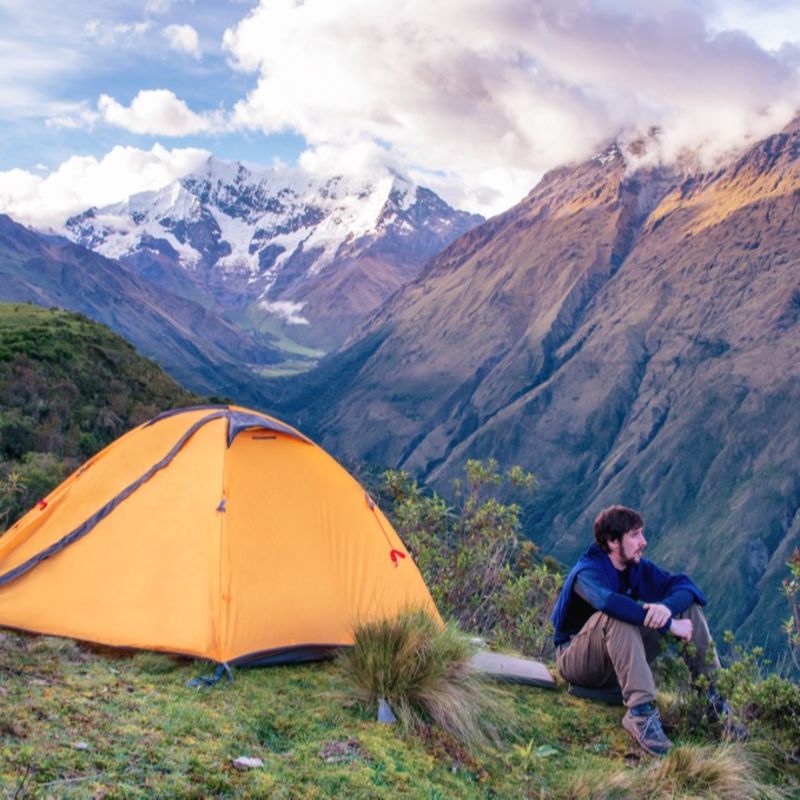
(393, 554)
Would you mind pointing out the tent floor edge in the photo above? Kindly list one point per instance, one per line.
(296, 654)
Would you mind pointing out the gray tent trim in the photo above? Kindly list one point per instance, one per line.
(238, 422)
(175, 411)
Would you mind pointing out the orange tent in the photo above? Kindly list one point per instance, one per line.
(212, 531)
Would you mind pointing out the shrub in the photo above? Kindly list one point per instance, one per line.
(791, 588)
(16, 434)
(423, 671)
(767, 701)
(23, 484)
(482, 573)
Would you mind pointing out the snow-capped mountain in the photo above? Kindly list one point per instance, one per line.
(280, 250)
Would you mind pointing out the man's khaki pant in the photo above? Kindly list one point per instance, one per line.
(606, 647)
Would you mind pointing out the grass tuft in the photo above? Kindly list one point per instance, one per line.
(725, 772)
(423, 672)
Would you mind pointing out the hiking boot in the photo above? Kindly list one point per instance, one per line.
(645, 729)
(720, 713)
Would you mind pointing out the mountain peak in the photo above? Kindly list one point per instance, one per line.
(259, 237)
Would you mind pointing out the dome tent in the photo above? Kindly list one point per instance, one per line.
(215, 532)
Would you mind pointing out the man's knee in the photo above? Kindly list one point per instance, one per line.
(619, 627)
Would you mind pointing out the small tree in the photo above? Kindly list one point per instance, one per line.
(11, 487)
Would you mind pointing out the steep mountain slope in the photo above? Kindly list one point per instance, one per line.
(629, 337)
(279, 250)
(193, 344)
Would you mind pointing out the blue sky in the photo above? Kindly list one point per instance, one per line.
(476, 98)
(65, 60)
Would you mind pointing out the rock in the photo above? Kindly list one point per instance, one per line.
(245, 762)
(385, 713)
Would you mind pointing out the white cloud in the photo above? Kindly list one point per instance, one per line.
(489, 96)
(184, 39)
(83, 181)
(285, 309)
(156, 7)
(771, 24)
(26, 74)
(115, 33)
(157, 112)
(79, 115)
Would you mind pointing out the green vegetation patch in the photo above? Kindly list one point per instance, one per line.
(68, 388)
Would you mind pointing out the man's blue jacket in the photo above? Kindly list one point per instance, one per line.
(648, 584)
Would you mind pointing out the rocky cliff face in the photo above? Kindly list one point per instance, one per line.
(280, 251)
(631, 337)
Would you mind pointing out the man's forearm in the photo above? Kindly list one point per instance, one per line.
(601, 598)
(679, 601)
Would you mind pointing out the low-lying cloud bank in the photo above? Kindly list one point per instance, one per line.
(489, 96)
(83, 181)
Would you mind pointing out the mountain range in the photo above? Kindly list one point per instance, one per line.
(295, 256)
(196, 346)
(631, 335)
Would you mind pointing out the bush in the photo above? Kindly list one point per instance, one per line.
(791, 588)
(482, 573)
(22, 484)
(766, 701)
(16, 434)
(423, 672)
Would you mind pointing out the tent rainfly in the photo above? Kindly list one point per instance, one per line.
(215, 532)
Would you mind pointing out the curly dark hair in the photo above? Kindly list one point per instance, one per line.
(613, 522)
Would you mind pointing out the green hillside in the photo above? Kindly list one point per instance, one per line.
(68, 387)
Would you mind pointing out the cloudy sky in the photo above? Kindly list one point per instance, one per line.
(475, 98)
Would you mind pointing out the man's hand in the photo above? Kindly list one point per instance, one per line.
(657, 615)
(682, 628)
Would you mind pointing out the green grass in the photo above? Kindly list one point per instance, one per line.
(286, 368)
(148, 735)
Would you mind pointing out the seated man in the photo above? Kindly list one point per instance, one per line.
(610, 615)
